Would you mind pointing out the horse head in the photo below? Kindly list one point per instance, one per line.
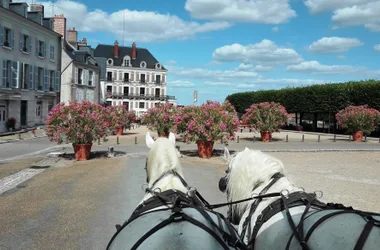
(246, 170)
(163, 167)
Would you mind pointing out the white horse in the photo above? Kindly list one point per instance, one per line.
(285, 217)
(171, 214)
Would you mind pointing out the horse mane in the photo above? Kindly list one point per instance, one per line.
(161, 158)
(249, 169)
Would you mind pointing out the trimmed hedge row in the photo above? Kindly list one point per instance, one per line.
(322, 98)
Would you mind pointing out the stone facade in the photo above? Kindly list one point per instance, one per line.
(30, 53)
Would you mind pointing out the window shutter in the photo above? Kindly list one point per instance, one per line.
(85, 77)
(12, 39)
(1, 35)
(21, 41)
(46, 80)
(14, 74)
(30, 44)
(76, 75)
(36, 78)
(114, 76)
(37, 47)
(30, 77)
(147, 78)
(132, 76)
(45, 48)
(120, 76)
(57, 82)
(4, 73)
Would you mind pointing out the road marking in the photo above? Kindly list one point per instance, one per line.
(30, 154)
(16, 179)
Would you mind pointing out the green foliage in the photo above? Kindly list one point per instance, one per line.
(324, 98)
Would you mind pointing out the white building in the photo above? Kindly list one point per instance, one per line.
(131, 76)
(80, 71)
(30, 59)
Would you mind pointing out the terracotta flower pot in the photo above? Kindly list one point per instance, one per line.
(266, 136)
(205, 148)
(164, 134)
(82, 151)
(119, 131)
(357, 136)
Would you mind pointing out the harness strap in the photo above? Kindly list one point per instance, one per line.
(364, 235)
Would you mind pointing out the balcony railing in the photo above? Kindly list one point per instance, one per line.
(139, 96)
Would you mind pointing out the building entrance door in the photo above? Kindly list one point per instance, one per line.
(3, 117)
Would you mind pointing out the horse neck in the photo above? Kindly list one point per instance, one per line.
(281, 184)
(166, 183)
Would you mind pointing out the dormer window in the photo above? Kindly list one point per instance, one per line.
(126, 61)
(158, 66)
(109, 61)
(143, 64)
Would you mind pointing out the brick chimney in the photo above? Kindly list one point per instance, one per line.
(37, 7)
(116, 49)
(83, 42)
(60, 25)
(72, 35)
(133, 50)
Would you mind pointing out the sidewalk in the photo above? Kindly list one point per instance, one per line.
(21, 135)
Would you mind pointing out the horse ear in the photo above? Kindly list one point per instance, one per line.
(149, 140)
(172, 138)
(226, 155)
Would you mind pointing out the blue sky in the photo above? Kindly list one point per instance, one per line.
(219, 47)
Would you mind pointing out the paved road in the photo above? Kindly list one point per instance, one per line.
(19, 148)
(78, 207)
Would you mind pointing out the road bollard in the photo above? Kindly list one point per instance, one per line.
(365, 138)
(287, 138)
(99, 141)
(238, 138)
(319, 138)
(135, 139)
(250, 130)
(19, 136)
(117, 140)
(303, 138)
(334, 138)
(241, 130)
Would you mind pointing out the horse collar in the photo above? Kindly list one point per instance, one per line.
(170, 172)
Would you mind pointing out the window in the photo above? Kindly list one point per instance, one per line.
(110, 61)
(6, 4)
(25, 45)
(7, 37)
(142, 91)
(52, 52)
(126, 91)
(126, 105)
(24, 75)
(158, 79)
(142, 78)
(126, 77)
(7, 65)
(157, 93)
(141, 105)
(158, 66)
(127, 62)
(109, 91)
(90, 77)
(51, 80)
(143, 64)
(40, 78)
(80, 75)
(109, 76)
(41, 48)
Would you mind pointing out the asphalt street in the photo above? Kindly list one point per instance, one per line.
(77, 207)
(16, 149)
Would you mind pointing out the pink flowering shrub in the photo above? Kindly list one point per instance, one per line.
(358, 118)
(265, 116)
(160, 118)
(209, 122)
(119, 116)
(79, 123)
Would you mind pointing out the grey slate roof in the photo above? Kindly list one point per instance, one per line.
(79, 55)
(142, 54)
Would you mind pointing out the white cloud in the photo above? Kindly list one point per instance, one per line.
(171, 62)
(262, 68)
(265, 53)
(286, 81)
(256, 11)
(376, 47)
(314, 67)
(275, 29)
(140, 26)
(334, 44)
(317, 6)
(341, 57)
(180, 84)
(218, 75)
(245, 67)
(218, 83)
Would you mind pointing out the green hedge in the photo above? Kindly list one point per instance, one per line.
(322, 98)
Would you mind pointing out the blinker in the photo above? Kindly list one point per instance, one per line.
(223, 184)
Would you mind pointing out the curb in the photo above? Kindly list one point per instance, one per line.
(15, 140)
